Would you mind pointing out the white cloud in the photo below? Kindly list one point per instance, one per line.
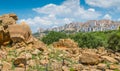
(104, 3)
(91, 9)
(45, 21)
(68, 11)
(107, 16)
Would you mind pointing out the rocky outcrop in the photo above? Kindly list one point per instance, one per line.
(19, 32)
(65, 43)
(8, 19)
(11, 32)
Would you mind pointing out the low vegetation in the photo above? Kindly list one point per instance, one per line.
(107, 39)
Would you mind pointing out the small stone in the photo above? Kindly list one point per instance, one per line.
(6, 66)
(10, 58)
(19, 69)
(56, 66)
(43, 62)
(114, 66)
(20, 62)
(36, 52)
(109, 70)
(101, 66)
(78, 67)
(31, 63)
(65, 68)
(28, 56)
(19, 50)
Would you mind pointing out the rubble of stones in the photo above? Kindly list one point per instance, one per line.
(63, 55)
(30, 58)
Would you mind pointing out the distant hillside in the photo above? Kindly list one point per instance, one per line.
(89, 26)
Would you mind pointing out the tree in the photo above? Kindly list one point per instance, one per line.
(114, 42)
(87, 40)
(53, 37)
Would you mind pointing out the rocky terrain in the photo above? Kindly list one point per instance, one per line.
(23, 57)
(23, 52)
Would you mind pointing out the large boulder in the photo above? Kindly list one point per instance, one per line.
(19, 32)
(8, 19)
(90, 59)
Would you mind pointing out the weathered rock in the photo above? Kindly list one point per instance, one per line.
(20, 62)
(36, 52)
(43, 62)
(28, 56)
(10, 58)
(110, 59)
(65, 43)
(101, 66)
(6, 66)
(22, 33)
(39, 45)
(8, 19)
(65, 68)
(89, 59)
(31, 63)
(77, 67)
(114, 66)
(19, 69)
(101, 51)
(109, 70)
(3, 54)
(12, 33)
(56, 66)
(1, 65)
(25, 55)
(20, 50)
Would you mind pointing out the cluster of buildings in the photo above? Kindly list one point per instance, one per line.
(89, 26)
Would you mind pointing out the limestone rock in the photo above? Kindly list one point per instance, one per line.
(19, 69)
(3, 54)
(77, 67)
(8, 19)
(36, 52)
(20, 62)
(114, 66)
(65, 43)
(65, 68)
(31, 63)
(43, 62)
(6, 66)
(89, 59)
(56, 66)
(110, 59)
(101, 66)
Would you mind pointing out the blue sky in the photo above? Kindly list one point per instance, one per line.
(50, 13)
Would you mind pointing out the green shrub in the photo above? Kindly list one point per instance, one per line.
(114, 42)
(53, 37)
(87, 40)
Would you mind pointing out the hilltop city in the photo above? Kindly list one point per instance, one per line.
(89, 26)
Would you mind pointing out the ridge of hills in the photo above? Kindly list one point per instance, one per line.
(89, 26)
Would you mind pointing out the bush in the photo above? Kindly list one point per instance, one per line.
(114, 42)
(87, 40)
(53, 37)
